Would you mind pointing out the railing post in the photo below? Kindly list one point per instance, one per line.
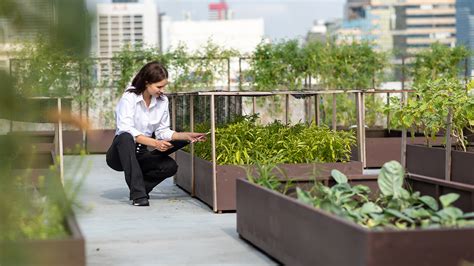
(213, 146)
(191, 125)
(317, 113)
(360, 128)
(60, 141)
(404, 133)
(449, 121)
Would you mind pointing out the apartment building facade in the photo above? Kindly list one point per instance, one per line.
(419, 23)
(405, 26)
(465, 28)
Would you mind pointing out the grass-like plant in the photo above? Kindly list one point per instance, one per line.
(245, 142)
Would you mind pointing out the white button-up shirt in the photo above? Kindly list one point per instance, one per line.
(132, 116)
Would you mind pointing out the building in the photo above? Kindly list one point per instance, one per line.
(318, 31)
(219, 11)
(465, 27)
(120, 24)
(242, 35)
(123, 24)
(355, 9)
(38, 16)
(419, 23)
(371, 21)
(405, 26)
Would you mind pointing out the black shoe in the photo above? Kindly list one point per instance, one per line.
(141, 202)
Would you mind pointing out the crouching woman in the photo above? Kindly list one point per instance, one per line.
(142, 117)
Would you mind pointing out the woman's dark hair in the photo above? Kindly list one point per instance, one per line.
(152, 72)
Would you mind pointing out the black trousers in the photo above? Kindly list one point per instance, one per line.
(143, 169)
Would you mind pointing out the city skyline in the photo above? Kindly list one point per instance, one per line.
(287, 19)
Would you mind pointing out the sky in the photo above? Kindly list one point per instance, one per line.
(283, 19)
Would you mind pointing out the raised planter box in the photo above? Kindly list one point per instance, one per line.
(382, 146)
(430, 161)
(184, 176)
(98, 140)
(221, 196)
(297, 234)
(69, 251)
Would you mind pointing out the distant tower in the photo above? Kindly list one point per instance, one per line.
(219, 11)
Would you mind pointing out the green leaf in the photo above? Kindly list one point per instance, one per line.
(370, 207)
(447, 199)
(430, 202)
(390, 179)
(468, 215)
(399, 215)
(338, 176)
(449, 213)
(304, 196)
(416, 213)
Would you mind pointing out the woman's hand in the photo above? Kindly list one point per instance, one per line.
(195, 137)
(162, 145)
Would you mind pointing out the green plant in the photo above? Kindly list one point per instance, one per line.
(351, 66)
(395, 207)
(427, 109)
(43, 69)
(245, 142)
(438, 61)
(278, 65)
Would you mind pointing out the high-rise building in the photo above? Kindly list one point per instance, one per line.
(419, 23)
(120, 24)
(405, 26)
(465, 27)
(38, 16)
(355, 9)
(366, 20)
(124, 24)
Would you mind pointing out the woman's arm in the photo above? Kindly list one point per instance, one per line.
(189, 136)
(161, 145)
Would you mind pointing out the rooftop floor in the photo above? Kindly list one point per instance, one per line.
(175, 229)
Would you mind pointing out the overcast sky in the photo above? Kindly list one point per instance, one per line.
(283, 18)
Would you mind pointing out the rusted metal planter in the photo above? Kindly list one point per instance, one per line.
(69, 251)
(98, 140)
(297, 234)
(382, 146)
(221, 195)
(184, 176)
(430, 161)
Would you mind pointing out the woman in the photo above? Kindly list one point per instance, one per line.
(142, 118)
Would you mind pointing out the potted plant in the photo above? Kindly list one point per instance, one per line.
(350, 223)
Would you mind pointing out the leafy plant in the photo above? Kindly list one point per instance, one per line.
(427, 110)
(395, 207)
(351, 66)
(43, 69)
(438, 61)
(333, 66)
(245, 142)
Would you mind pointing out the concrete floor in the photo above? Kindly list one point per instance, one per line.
(175, 229)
